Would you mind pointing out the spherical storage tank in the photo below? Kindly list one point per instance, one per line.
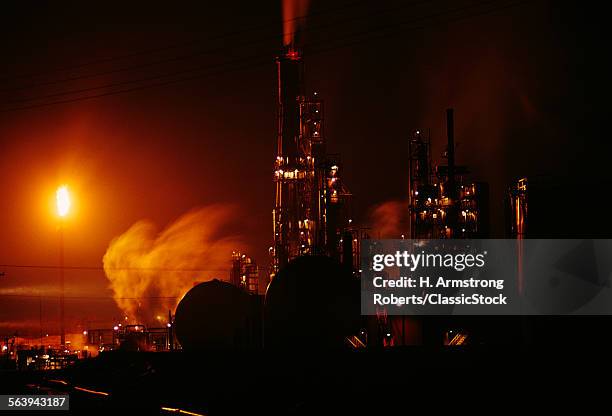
(213, 314)
(312, 302)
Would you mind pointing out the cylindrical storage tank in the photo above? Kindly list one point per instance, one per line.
(214, 315)
(313, 302)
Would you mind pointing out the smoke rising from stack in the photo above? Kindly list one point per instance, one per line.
(292, 11)
(159, 267)
(390, 219)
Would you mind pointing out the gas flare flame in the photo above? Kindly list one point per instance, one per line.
(62, 197)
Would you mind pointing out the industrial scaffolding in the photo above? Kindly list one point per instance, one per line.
(442, 204)
(311, 208)
(244, 273)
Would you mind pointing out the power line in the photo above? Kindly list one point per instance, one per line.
(249, 64)
(96, 268)
(127, 82)
(452, 20)
(181, 58)
(127, 90)
(189, 43)
(92, 297)
(153, 78)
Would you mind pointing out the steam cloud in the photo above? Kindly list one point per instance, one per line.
(149, 271)
(292, 11)
(390, 219)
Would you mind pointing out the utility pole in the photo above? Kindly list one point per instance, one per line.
(40, 320)
(62, 288)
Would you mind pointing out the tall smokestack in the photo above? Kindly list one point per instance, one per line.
(290, 75)
(450, 155)
(288, 215)
(450, 131)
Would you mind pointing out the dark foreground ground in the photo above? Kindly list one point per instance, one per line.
(396, 381)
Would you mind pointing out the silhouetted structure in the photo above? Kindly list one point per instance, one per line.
(217, 314)
(442, 204)
(313, 302)
(547, 206)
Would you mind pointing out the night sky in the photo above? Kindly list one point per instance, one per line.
(526, 80)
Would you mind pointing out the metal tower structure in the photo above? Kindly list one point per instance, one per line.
(311, 202)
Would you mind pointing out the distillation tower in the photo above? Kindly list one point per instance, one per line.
(311, 206)
(442, 203)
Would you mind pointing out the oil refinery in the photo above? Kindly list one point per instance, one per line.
(206, 214)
